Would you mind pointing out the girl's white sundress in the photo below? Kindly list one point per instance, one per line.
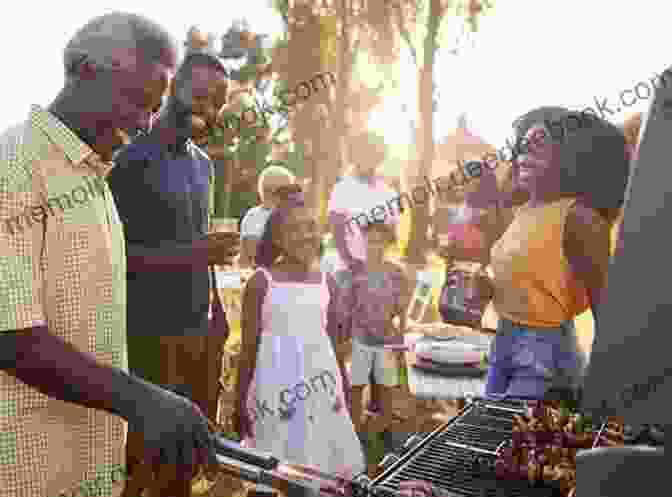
(295, 402)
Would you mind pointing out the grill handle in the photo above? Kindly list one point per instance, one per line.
(253, 457)
(242, 471)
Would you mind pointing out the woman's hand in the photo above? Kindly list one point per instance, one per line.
(479, 290)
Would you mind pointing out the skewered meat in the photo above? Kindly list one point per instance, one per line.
(544, 444)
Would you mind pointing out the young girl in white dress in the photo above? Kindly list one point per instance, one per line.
(291, 398)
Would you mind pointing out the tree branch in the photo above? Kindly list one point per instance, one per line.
(436, 12)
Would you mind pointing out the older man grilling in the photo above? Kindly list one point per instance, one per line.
(65, 393)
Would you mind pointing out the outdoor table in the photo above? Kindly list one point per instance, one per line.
(433, 386)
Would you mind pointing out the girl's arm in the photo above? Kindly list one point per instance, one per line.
(248, 251)
(400, 311)
(404, 301)
(253, 299)
(339, 329)
(338, 316)
(586, 245)
(249, 238)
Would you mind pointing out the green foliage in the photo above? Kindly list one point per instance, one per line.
(282, 6)
(455, 15)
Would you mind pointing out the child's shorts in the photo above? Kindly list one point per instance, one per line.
(366, 359)
(526, 362)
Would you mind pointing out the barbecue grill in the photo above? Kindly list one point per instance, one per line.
(458, 459)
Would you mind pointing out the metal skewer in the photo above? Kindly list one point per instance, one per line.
(262, 468)
(261, 476)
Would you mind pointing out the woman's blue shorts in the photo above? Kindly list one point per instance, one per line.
(526, 362)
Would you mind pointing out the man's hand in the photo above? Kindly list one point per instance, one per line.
(222, 248)
(174, 429)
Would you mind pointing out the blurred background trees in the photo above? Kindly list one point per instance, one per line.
(360, 43)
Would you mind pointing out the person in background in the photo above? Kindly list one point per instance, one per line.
(349, 210)
(162, 185)
(288, 308)
(378, 298)
(576, 179)
(355, 195)
(65, 393)
(254, 221)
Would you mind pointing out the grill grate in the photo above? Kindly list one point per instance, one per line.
(473, 436)
(496, 421)
(446, 459)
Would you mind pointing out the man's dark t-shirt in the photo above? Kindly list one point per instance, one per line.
(162, 195)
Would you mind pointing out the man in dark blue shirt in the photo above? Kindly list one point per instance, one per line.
(162, 186)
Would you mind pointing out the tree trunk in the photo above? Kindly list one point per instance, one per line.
(340, 118)
(308, 129)
(420, 212)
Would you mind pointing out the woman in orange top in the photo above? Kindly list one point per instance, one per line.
(550, 262)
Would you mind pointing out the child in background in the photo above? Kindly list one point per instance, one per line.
(287, 307)
(379, 296)
(252, 226)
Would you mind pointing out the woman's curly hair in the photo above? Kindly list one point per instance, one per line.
(593, 156)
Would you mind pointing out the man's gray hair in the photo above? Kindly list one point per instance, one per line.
(102, 37)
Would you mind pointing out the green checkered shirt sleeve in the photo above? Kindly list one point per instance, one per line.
(20, 282)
